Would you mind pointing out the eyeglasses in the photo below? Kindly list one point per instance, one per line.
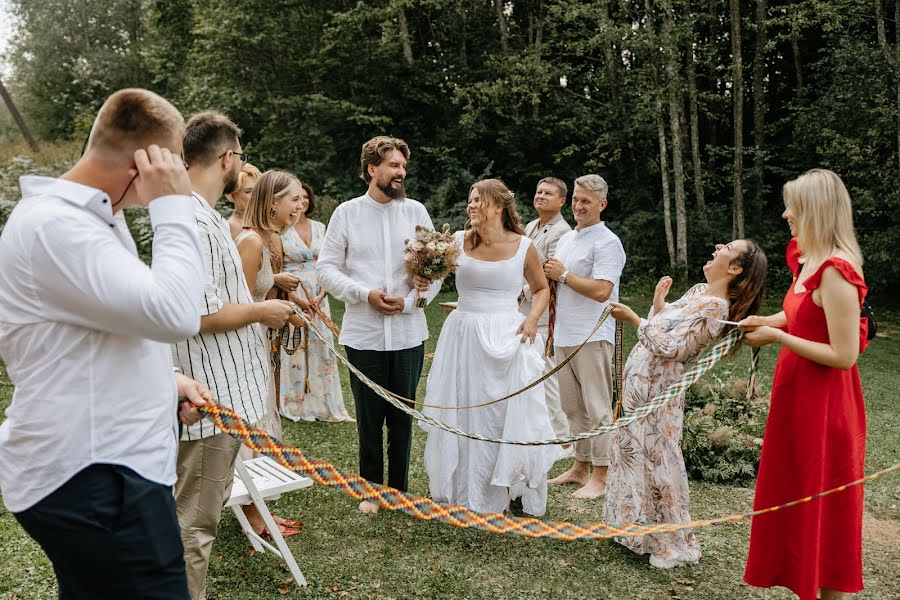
(245, 158)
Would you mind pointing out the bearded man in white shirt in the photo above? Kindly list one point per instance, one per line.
(230, 354)
(361, 264)
(587, 268)
(87, 451)
(545, 232)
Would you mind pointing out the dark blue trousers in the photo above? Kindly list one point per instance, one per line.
(397, 371)
(110, 533)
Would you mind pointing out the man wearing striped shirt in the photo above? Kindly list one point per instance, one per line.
(229, 355)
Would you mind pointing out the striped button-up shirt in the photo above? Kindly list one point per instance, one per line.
(234, 365)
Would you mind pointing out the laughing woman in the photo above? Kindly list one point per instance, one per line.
(647, 481)
(324, 400)
(273, 206)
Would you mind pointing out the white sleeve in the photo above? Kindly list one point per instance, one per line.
(103, 286)
(332, 261)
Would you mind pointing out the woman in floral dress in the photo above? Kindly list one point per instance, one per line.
(324, 401)
(647, 481)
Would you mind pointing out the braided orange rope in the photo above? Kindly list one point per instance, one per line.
(453, 514)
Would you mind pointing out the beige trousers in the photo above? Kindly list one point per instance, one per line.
(558, 419)
(205, 474)
(585, 387)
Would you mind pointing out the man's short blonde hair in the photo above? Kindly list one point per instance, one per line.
(134, 118)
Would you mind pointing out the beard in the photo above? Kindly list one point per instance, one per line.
(231, 183)
(390, 191)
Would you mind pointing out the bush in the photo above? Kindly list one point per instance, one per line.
(723, 431)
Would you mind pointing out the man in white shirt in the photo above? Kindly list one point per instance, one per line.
(361, 264)
(587, 267)
(230, 354)
(545, 232)
(87, 450)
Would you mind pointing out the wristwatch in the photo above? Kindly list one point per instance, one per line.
(562, 278)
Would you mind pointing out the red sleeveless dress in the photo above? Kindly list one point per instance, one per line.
(815, 440)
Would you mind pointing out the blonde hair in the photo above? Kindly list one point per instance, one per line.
(496, 192)
(247, 171)
(135, 118)
(271, 185)
(821, 206)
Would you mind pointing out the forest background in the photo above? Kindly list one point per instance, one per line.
(696, 112)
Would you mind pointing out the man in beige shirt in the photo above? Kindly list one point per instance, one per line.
(545, 232)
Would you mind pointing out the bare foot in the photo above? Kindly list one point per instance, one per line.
(591, 491)
(370, 508)
(575, 475)
(594, 488)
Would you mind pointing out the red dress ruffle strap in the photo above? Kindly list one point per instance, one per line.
(850, 274)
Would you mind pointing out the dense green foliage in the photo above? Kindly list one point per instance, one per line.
(723, 431)
(536, 88)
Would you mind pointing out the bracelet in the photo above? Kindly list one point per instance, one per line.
(562, 278)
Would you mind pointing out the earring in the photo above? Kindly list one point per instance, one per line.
(272, 212)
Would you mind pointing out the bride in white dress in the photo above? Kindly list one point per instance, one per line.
(486, 350)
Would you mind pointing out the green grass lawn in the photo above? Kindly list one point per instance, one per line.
(345, 554)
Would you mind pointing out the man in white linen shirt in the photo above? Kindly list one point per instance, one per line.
(587, 267)
(545, 232)
(361, 264)
(87, 450)
(230, 354)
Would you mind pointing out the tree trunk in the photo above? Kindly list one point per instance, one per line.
(609, 57)
(891, 57)
(404, 38)
(504, 31)
(737, 90)
(759, 103)
(17, 117)
(795, 50)
(664, 173)
(675, 119)
(464, 36)
(695, 144)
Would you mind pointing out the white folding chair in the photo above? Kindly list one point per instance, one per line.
(260, 478)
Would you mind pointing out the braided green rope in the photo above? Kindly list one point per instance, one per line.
(690, 376)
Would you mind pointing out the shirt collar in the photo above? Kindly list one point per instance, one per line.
(80, 195)
(201, 201)
(590, 230)
(377, 203)
(554, 220)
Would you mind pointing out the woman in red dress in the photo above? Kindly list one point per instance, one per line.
(815, 436)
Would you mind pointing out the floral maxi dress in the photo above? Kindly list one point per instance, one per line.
(647, 480)
(325, 401)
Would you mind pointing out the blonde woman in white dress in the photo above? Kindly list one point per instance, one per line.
(273, 207)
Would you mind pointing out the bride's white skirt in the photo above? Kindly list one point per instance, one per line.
(479, 358)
